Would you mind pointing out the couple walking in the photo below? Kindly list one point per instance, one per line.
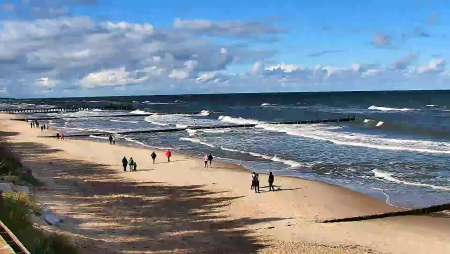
(131, 163)
(168, 155)
(255, 182)
(208, 158)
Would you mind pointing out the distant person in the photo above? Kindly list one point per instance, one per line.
(205, 160)
(271, 180)
(168, 154)
(252, 186)
(124, 163)
(114, 140)
(256, 182)
(135, 166)
(131, 163)
(110, 139)
(210, 158)
(153, 155)
(62, 135)
(31, 125)
(58, 136)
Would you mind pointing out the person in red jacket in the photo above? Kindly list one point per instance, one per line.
(168, 154)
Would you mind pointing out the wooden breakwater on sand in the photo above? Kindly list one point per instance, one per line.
(417, 211)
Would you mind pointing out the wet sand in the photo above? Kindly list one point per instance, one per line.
(181, 207)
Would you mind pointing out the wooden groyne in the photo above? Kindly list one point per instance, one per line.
(418, 211)
(41, 110)
(46, 118)
(199, 127)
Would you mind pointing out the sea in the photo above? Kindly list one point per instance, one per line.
(397, 149)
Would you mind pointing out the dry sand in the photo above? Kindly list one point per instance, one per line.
(181, 207)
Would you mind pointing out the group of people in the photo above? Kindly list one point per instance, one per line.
(131, 163)
(36, 124)
(255, 182)
(60, 135)
(208, 159)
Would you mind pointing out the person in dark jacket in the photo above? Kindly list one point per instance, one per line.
(210, 158)
(124, 163)
(153, 155)
(271, 180)
(256, 179)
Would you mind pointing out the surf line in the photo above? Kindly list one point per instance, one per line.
(199, 127)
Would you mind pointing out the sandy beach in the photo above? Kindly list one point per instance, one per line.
(181, 207)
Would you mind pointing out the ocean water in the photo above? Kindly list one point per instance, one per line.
(397, 150)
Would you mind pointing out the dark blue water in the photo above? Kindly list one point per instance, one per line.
(398, 150)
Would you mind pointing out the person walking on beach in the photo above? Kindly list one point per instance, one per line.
(110, 139)
(205, 160)
(131, 163)
(57, 136)
(62, 135)
(210, 158)
(135, 166)
(124, 163)
(271, 180)
(153, 155)
(256, 182)
(168, 155)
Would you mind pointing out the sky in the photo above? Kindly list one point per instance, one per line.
(64, 48)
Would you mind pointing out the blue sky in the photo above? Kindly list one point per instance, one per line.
(95, 47)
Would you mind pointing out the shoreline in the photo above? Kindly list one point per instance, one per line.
(235, 166)
(283, 218)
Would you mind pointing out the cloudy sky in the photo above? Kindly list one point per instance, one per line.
(56, 48)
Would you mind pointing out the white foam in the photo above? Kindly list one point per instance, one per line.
(389, 109)
(138, 111)
(204, 113)
(389, 177)
(98, 137)
(367, 120)
(157, 103)
(191, 132)
(181, 125)
(379, 124)
(122, 121)
(197, 141)
(431, 105)
(151, 119)
(334, 134)
(266, 104)
(238, 120)
(290, 163)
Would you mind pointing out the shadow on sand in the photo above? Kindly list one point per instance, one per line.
(113, 214)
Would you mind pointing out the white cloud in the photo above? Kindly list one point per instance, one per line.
(212, 77)
(111, 77)
(434, 66)
(284, 68)
(227, 28)
(47, 83)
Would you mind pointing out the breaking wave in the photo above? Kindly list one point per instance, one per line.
(389, 109)
(290, 163)
(387, 176)
(197, 141)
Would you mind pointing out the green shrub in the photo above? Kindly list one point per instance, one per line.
(16, 210)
